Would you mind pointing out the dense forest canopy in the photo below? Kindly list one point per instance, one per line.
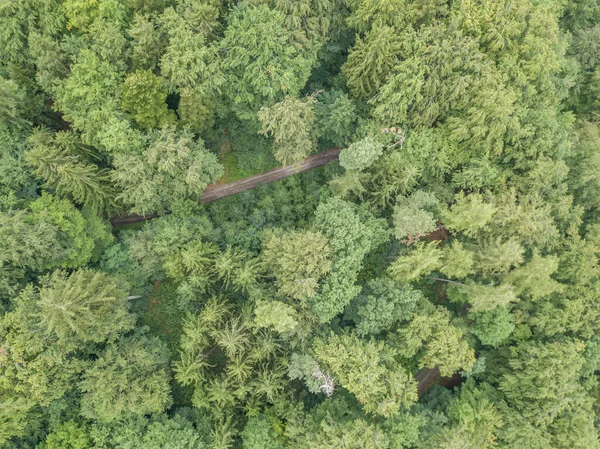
(458, 233)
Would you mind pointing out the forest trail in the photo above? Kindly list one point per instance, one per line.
(217, 191)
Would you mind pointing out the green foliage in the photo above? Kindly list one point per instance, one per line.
(258, 434)
(249, 373)
(188, 62)
(73, 232)
(298, 261)
(130, 375)
(493, 327)
(291, 122)
(381, 305)
(306, 368)
(412, 218)
(367, 369)
(145, 99)
(468, 130)
(173, 167)
(66, 166)
(541, 380)
(458, 261)
(469, 214)
(69, 435)
(361, 154)
(473, 420)
(370, 61)
(276, 315)
(263, 58)
(352, 234)
(438, 342)
(85, 306)
(336, 116)
(422, 259)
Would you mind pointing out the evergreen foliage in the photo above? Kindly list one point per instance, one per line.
(435, 287)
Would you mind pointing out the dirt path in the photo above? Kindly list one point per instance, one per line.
(217, 191)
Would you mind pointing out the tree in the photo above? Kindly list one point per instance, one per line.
(146, 42)
(131, 375)
(79, 238)
(91, 90)
(145, 99)
(470, 214)
(381, 305)
(370, 61)
(173, 167)
(65, 164)
(276, 315)
(298, 261)
(493, 327)
(473, 420)
(10, 110)
(188, 62)
(27, 243)
(361, 155)
(263, 58)
(368, 370)
(336, 115)
(541, 380)
(69, 435)
(534, 278)
(85, 306)
(436, 341)
(291, 122)
(307, 369)
(249, 373)
(352, 234)
(258, 434)
(458, 261)
(422, 259)
(412, 215)
(33, 365)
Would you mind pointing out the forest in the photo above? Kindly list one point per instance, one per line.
(436, 286)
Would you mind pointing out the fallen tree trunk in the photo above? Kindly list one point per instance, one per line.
(216, 192)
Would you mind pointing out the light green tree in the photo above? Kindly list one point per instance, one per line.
(298, 261)
(130, 375)
(264, 59)
(85, 306)
(145, 99)
(368, 370)
(413, 217)
(173, 167)
(371, 60)
(361, 155)
(291, 122)
(435, 341)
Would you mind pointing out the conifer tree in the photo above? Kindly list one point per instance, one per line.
(64, 163)
(291, 122)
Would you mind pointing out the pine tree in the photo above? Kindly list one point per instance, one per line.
(298, 261)
(64, 163)
(129, 376)
(368, 370)
(84, 306)
(291, 122)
